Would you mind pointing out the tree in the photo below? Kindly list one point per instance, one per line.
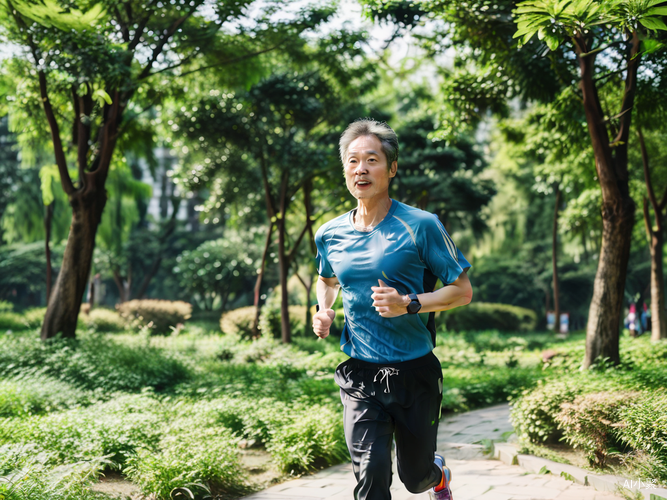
(592, 28)
(278, 124)
(655, 233)
(95, 70)
(576, 33)
(219, 269)
(441, 178)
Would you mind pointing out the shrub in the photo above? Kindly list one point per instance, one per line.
(34, 318)
(469, 388)
(104, 320)
(488, 316)
(6, 306)
(25, 476)
(645, 428)
(114, 429)
(39, 394)
(493, 340)
(312, 438)
(238, 322)
(269, 320)
(534, 412)
(162, 313)
(11, 321)
(588, 422)
(93, 362)
(197, 460)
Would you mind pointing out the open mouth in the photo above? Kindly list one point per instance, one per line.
(363, 183)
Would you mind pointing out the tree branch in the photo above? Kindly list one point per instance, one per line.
(647, 219)
(83, 124)
(141, 25)
(663, 201)
(270, 205)
(108, 140)
(167, 35)
(123, 27)
(629, 92)
(61, 161)
(647, 179)
(174, 66)
(292, 253)
(229, 61)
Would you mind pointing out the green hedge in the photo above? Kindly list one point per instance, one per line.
(238, 322)
(486, 316)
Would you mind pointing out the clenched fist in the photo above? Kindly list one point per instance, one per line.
(322, 322)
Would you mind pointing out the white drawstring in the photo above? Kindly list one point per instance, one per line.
(386, 372)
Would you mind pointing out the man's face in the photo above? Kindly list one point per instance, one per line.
(366, 172)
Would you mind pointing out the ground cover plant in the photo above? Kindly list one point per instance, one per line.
(616, 415)
(177, 414)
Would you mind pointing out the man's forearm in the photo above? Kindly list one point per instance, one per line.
(457, 294)
(326, 294)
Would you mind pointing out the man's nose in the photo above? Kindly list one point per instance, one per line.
(361, 168)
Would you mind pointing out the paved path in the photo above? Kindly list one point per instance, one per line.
(474, 475)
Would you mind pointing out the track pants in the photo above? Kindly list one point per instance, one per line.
(401, 401)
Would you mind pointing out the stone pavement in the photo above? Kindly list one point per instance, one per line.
(474, 475)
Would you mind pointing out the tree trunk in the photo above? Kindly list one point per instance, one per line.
(65, 301)
(48, 222)
(611, 163)
(260, 278)
(91, 292)
(308, 286)
(604, 317)
(554, 262)
(283, 263)
(656, 235)
(658, 318)
(286, 333)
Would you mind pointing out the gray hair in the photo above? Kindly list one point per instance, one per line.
(368, 126)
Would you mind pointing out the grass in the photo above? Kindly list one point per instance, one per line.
(178, 414)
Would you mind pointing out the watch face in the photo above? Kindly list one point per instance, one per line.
(414, 307)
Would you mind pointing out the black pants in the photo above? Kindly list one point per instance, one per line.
(400, 400)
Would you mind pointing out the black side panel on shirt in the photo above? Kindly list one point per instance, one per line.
(430, 281)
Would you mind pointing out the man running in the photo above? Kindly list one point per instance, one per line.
(387, 258)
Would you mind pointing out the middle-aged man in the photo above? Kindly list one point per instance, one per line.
(387, 258)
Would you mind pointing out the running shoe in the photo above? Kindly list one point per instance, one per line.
(442, 491)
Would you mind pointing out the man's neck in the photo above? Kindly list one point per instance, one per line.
(371, 211)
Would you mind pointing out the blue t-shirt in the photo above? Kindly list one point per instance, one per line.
(408, 250)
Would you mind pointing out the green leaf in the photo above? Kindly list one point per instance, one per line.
(650, 45)
(657, 11)
(552, 42)
(101, 95)
(653, 23)
(47, 175)
(560, 7)
(568, 476)
(50, 13)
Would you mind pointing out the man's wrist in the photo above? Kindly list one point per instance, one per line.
(406, 300)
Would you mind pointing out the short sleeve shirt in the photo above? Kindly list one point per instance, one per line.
(408, 250)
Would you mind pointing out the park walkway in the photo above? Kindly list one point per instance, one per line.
(475, 476)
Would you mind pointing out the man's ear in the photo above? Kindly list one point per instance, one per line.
(393, 169)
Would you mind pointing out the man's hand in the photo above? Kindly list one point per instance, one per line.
(322, 322)
(388, 302)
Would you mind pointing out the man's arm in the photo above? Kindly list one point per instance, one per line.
(327, 291)
(389, 303)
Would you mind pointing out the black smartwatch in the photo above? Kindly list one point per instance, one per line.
(414, 306)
